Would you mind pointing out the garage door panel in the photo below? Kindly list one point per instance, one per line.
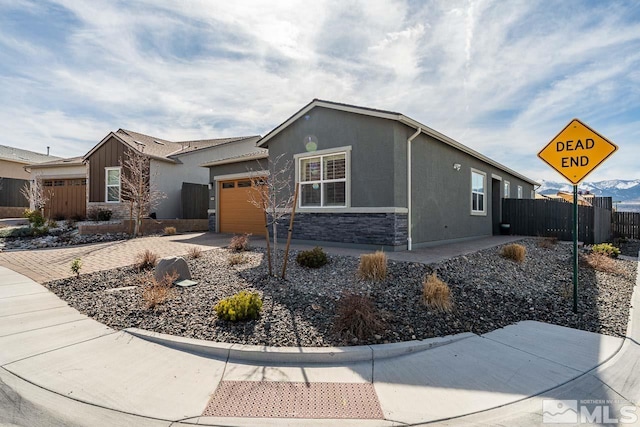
(237, 213)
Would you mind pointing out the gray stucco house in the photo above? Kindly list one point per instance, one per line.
(371, 178)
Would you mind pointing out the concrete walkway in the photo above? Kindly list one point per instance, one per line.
(58, 367)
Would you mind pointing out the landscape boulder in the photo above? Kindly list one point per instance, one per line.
(170, 264)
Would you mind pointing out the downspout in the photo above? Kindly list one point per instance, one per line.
(411, 138)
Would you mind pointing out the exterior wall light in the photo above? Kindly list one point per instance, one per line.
(457, 166)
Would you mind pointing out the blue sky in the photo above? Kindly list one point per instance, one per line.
(502, 77)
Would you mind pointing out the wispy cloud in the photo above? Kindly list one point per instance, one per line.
(501, 77)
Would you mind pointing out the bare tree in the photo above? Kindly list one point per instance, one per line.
(274, 196)
(35, 194)
(137, 184)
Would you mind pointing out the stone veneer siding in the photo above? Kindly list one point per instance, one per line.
(119, 210)
(212, 222)
(384, 229)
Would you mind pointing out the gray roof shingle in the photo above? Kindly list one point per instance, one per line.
(26, 157)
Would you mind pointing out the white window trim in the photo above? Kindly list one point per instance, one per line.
(483, 212)
(520, 192)
(106, 184)
(507, 191)
(347, 176)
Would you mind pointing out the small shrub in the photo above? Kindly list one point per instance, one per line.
(76, 265)
(35, 217)
(314, 258)
(169, 231)
(52, 223)
(239, 243)
(242, 306)
(599, 262)
(194, 252)
(146, 260)
(606, 249)
(104, 215)
(436, 293)
(514, 252)
(237, 259)
(357, 317)
(548, 242)
(41, 231)
(373, 266)
(155, 293)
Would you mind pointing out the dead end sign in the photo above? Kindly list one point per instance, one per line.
(576, 151)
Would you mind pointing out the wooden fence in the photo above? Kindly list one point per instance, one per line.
(626, 224)
(551, 218)
(195, 201)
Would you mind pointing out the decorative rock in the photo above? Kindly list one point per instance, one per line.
(169, 265)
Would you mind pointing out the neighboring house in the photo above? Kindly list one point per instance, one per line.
(356, 166)
(64, 182)
(13, 177)
(172, 164)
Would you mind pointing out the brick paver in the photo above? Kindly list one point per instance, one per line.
(54, 263)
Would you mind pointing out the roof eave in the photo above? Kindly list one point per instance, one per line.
(452, 142)
(235, 160)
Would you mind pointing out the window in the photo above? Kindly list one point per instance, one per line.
(507, 189)
(323, 180)
(519, 191)
(478, 191)
(113, 184)
(48, 183)
(58, 183)
(228, 185)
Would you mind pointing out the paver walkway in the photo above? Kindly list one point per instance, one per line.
(43, 265)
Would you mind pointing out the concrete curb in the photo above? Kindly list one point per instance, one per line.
(293, 355)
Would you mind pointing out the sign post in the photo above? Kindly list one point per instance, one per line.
(574, 153)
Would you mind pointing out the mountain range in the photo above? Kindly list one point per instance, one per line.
(621, 190)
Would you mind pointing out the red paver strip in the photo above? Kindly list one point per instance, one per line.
(275, 399)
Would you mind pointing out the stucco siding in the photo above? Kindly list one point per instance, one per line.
(12, 170)
(168, 178)
(441, 195)
(372, 150)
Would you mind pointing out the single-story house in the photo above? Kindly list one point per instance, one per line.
(172, 165)
(370, 178)
(13, 177)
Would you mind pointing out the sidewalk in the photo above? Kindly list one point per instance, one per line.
(61, 367)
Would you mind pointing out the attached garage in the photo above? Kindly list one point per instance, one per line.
(237, 213)
(67, 198)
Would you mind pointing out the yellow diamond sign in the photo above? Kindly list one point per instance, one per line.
(576, 151)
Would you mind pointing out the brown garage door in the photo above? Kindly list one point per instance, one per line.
(67, 198)
(237, 213)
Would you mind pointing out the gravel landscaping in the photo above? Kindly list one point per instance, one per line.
(628, 247)
(488, 292)
(56, 237)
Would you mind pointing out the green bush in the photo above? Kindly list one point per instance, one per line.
(241, 306)
(606, 249)
(35, 217)
(104, 215)
(98, 214)
(314, 258)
